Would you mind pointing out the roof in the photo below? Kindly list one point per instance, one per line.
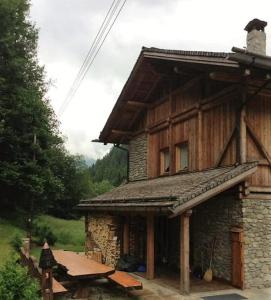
(145, 78)
(186, 52)
(170, 194)
(151, 69)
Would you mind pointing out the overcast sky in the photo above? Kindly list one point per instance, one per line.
(67, 28)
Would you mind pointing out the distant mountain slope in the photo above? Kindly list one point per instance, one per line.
(112, 167)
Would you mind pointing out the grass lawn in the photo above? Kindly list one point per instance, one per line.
(70, 234)
(7, 232)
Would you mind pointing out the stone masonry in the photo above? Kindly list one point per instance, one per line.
(138, 158)
(215, 218)
(257, 234)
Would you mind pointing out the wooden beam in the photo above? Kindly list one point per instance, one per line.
(242, 128)
(225, 91)
(260, 189)
(225, 76)
(225, 148)
(185, 115)
(150, 246)
(126, 236)
(138, 104)
(184, 253)
(258, 142)
(121, 132)
(200, 142)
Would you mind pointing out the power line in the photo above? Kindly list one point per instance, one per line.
(93, 51)
(93, 46)
(79, 78)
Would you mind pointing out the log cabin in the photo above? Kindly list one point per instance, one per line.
(197, 128)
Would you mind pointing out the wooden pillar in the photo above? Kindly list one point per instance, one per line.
(200, 139)
(241, 144)
(126, 236)
(184, 253)
(150, 246)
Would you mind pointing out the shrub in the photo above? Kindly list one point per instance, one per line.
(15, 283)
(44, 233)
(16, 243)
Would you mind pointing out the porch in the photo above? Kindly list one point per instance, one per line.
(142, 210)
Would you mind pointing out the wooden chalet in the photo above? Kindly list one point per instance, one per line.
(198, 129)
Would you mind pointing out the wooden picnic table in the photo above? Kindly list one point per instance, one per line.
(80, 266)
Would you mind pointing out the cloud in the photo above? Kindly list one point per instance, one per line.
(67, 28)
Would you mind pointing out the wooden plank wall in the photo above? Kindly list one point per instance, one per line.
(259, 119)
(178, 117)
(177, 120)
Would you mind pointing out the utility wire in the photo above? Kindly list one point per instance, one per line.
(94, 46)
(93, 51)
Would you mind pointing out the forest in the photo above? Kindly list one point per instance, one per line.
(37, 173)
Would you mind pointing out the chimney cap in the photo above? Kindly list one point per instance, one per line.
(255, 24)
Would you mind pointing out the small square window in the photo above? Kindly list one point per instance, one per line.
(164, 161)
(182, 157)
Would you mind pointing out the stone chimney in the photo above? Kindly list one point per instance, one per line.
(256, 37)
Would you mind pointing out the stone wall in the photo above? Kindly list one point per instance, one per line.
(138, 158)
(257, 234)
(215, 218)
(103, 235)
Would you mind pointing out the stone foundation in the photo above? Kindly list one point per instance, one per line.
(257, 234)
(215, 218)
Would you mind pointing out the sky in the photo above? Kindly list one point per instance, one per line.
(68, 27)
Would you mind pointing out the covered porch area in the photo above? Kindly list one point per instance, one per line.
(165, 223)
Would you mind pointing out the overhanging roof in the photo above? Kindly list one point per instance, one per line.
(171, 194)
(144, 79)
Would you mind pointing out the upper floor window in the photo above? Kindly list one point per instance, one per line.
(181, 156)
(164, 161)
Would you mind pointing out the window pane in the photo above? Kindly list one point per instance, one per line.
(166, 161)
(184, 156)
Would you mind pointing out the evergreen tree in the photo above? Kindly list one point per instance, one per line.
(25, 168)
(112, 167)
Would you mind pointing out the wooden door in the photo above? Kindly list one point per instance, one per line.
(237, 239)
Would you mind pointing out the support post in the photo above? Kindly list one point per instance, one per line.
(184, 253)
(150, 246)
(126, 236)
(242, 132)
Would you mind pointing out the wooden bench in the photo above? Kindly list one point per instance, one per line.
(33, 269)
(58, 288)
(125, 280)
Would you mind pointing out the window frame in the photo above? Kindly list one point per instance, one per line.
(162, 160)
(178, 159)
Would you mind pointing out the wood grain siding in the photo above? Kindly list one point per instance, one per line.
(209, 125)
(157, 142)
(259, 120)
(218, 124)
(187, 131)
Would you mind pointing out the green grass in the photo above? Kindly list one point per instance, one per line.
(70, 234)
(7, 232)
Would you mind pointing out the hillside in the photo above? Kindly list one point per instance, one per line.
(112, 167)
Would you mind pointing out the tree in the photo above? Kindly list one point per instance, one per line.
(26, 175)
(112, 167)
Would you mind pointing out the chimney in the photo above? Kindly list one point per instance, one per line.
(256, 38)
